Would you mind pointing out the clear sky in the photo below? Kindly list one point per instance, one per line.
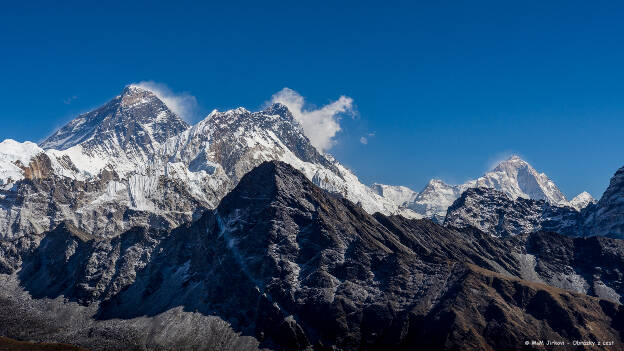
(447, 88)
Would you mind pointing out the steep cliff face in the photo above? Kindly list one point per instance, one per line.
(298, 267)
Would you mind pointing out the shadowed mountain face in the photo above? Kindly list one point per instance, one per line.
(289, 263)
(495, 213)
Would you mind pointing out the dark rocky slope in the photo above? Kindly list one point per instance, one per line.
(7, 344)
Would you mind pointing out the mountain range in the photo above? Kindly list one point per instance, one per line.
(134, 162)
(514, 177)
(128, 228)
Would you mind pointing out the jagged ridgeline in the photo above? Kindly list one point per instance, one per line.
(131, 229)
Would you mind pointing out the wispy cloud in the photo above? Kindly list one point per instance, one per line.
(364, 139)
(320, 125)
(182, 104)
(69, 100)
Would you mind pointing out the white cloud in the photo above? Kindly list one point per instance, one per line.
(182, 104)
(363, 140)
(319, 125)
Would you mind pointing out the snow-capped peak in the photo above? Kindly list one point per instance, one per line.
(436, 197)
(582, 200)
(514, 162)
(135, 119)
(134, 88)
(517, 178)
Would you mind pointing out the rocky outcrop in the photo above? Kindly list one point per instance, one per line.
(15, 345)
(494, 212)
(607, 216)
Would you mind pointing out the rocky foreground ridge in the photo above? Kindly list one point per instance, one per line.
(296, 267)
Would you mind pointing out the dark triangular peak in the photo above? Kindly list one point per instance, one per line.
(615, 190)
(137, 117)
(275, 183)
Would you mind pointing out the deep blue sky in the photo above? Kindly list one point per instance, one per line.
(447, 87)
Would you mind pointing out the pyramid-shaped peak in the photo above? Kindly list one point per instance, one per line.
(137, 116)
(517, 178)
(266, 181)
(134, 94)
(436, 181)
(516, 160)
